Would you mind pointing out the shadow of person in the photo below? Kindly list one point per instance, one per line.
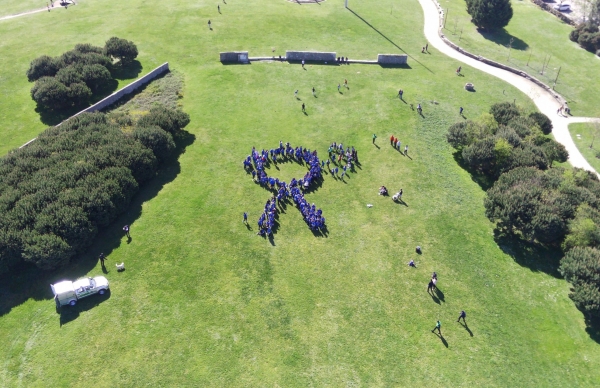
(129, 239)
(435, 299)
(104, 270)
(376, 146)
(443, 340)
(440, 294)
(305, 114)
(248, 226)
(466, 328)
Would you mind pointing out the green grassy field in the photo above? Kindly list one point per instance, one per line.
(588, 134)
(206, 302)
(538, 37)
(15, 7)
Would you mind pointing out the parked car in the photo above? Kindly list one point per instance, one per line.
(562, 7)
(68, 292)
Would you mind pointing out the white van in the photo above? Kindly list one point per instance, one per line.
(68, 292)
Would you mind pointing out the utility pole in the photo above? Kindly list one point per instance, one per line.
(556, 79)
(445, 17)
(509, 47)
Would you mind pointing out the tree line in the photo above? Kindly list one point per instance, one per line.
(59, 191)
(530, 199)
(71, 79)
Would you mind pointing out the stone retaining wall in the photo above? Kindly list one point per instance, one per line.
(392, 59)
(315, 56)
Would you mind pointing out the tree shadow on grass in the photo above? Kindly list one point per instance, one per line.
(26, 281)
(501, 37)
(130, 71)
(483, 181)
(536, 257)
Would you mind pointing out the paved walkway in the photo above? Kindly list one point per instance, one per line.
(45, 9)
(544, 101)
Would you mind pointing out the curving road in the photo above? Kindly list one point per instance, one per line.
(545, 102)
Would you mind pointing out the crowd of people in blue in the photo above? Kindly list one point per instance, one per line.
(256, 164)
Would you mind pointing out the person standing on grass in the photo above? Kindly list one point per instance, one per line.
(296, 93)
(462, 316)
(303, 63)
(126, 230)
(400, 93)
(209, 26)
(374, 137)
(346, 84)
(338, 87)
(219, 8)
(303, 108)
(427, 47)
(245, 218)
(438, 327)
(430, 287)
(314, 92)
(102, 258)
(405, 150)
(392, 140)
(461, 110)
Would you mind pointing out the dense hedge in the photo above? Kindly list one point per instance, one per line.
(558, 207)
(57, 192)
(504, 139)
(71, 79)
(587, 35)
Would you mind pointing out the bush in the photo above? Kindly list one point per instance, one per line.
(481, 155)
(96, 76)
(503, 112)
(585, 40)
(85, 48)
(170, 120)
(156, 139)
(581, 267)
(51, 93)
(74, 179)
(542, 121)
(123, 50)
(457, 135)
(490, 14)
(43, 66)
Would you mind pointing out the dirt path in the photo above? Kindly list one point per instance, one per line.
(56, 6)
(544, 101)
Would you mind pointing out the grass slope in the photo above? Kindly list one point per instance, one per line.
(589, 133)
(205, 302)
(538, 37)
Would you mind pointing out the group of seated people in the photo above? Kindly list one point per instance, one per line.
(396, 197)
(341, 60)
(383, 190)
(345, 158)
(256, 163)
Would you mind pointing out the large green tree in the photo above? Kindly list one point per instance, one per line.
(490, 14)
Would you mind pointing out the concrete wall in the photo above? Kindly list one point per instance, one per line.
(135, 85)
(310, 56)
(231, 56)
(392, 59)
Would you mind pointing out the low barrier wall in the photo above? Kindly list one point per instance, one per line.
(392, 59)
(233, 57)
(116, 96)
(310, 56)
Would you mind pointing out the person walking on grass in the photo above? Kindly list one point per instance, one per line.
(427, 47)
(245, 218)
(438, 327)
(303, 108)
(400, 93)
(374, 137)
(314, 92)
(405, 150)
(461, 110)
(303, 63)
(126, 230)
(209, 25)
(102, 258)
(338, 87)
(296, 93)
(219, 8)
(346, 84)
(462, 316)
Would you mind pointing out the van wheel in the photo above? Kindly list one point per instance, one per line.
(72, 303)
(102, 292)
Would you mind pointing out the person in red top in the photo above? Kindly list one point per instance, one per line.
(392, 139)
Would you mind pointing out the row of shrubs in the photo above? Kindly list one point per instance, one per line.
(57, 192)
(587, 35)
(71, 79)
(557, 207)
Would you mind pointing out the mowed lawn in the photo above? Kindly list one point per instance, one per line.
(206, 302)
(585, 136)
(538, 38)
